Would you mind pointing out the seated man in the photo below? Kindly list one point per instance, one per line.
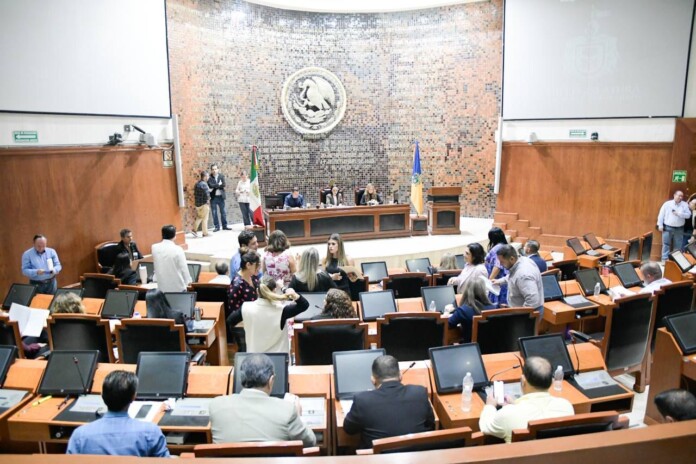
(531, 250)
(652, 276)
(676, 405)
(222, 276)
(535, 403)
(128, 245)
(254, 415)
(294, 200)
(116, 433)
(390, 409)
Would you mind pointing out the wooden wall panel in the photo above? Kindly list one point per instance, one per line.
(78, 197)
(612, 189)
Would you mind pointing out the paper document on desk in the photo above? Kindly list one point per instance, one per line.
(346, 405)
(594, 379)
(203, 325)
(89, 403)
(113, 323)
(31, 321)
(313, 411)
(619, 291)
(8, 398)
(191, 407)
(557, 256)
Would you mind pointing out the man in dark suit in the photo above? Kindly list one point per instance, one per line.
(391, 409)
(531, 251)
(127, 245)
(217, 185)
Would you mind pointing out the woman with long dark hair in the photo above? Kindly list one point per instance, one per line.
(496, 239)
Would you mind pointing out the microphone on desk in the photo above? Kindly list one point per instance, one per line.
(409, 367)
(516, 366)
(82, 380)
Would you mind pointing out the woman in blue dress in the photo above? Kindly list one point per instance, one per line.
(474, 301)
(496, 239)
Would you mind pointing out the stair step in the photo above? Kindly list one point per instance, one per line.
(505, 217)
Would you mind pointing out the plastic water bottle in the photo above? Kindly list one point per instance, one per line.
(596, 289)
(558, 379)
(432, 307)
(467, 389)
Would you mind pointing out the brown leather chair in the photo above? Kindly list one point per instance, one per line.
(458, 437)
(255, 449)
(571, 425)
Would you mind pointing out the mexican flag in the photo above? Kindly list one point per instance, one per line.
(255, 195)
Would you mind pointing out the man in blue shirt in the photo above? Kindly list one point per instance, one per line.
(41, 265)
(247, 242)
(531, 250)
(295, 199)
(116, 433)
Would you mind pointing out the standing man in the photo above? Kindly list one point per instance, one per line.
(41, 265)
(216, 182)
(127, 245)
(670, 221)
(201, 194)
(171, 271)
(524, 281)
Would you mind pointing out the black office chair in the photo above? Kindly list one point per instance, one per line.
(646, 247)
(360, 285)
(136, 335)
(407, 284)
(9, 334)
(409, 336)
(316, 341)
(96, 285)
(443, 276)
(498, 330)
(322, 194)
(578, 424)
(357, 194)
(81, 332)
(567, 267)
(216, 293)
(105, 255)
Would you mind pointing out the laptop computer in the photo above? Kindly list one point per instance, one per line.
(691, 249)
(577, 247)
(316, 305)
(683, 327)
(418, 265)
(69, 372)
(627, 275)
(184, 302)
(353, 370)
(119, 304)
(591, 239)
(375, 271)
(162, 375)
(451, 363)
(374, 305)
(281, 363)
(587, 279)
(681, 261)
(553, 292)
(19, 293)
(194, 271)
(62, 291)
(442, 295)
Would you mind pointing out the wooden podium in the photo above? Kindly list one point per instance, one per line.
(443, 210)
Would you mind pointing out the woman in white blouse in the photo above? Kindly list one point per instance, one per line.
(242, 191)
(475, 258)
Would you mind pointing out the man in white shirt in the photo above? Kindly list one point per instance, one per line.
(652, 277)
(535, 403)
(171, 271)
(670, 221)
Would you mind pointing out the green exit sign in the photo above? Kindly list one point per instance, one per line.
(679, 176)
(25, 136)
(577, 134)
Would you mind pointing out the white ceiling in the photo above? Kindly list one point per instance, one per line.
(359, 6)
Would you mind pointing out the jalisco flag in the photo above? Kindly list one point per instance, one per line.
(417, 183)
(255, 196)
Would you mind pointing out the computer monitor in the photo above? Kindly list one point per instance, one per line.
(194, 271)
(577, 247)
(375, 271)
(62, 291)
(119, 304)
(8, 354)
(691, 248)
(451, 363)
(149, 268)
(627, 275)
(461, 261)
(69, 373)
(162, 375)
(273, 202)
(588, 278)
(683, 327)
(591, 239)
(281, 363)
(184, 302)
(19, 293)
(418, 265)
(681, 260)
(551, 347)
(316, 305)
(376, 304)
(442, 295)
(353, 371)
(552, 289)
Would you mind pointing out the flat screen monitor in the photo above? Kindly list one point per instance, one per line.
(683, 327)
(273, 202)
(461, 261)
(376, 304)
(550, 346)
(591, 239)
(681, 260)
(442, 295)
(62, 291)
(375, 271)
(119, 304)
(316, 305)
(149, 268)
(691, 248)
(194, 271)
(19, 293)
(588, 278)
(162, 375)
(7, 356)
(69, 373)
(552, 289)
(184, 302)
(418, 265)
(353, 371)
(577, 247)
(451, 363)
(627, 275)
(633, 249)
(281, 363)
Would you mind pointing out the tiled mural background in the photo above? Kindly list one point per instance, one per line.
(431, 75)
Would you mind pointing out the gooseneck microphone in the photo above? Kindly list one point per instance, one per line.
(82, 380)
(516, 366)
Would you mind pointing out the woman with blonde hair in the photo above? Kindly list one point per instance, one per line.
(265, 319)
(277, 261)
(474, 301)
(68, 303)
(371, 197)
(337, 305)
(309, 278)
(447, 262)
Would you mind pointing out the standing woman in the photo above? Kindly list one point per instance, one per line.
(277, 260)
(335, 198)
(309, 278)
(335, 259)
(496, 239)
(243, 189)
(474, 267)
(265, 318)
(244, 288)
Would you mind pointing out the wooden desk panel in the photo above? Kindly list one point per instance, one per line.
(25, 374)
(558, 313)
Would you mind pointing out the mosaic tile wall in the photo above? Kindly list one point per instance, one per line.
(431, 75)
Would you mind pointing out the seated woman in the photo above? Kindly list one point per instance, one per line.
(335, 198)
(371, 197)
(337, 305)
(265, 318)
(474, 267)
(475, 301)
(310, 278)
(122, 270)
(277, 260)
(158, 308)
(336, 258)
(68, 303)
